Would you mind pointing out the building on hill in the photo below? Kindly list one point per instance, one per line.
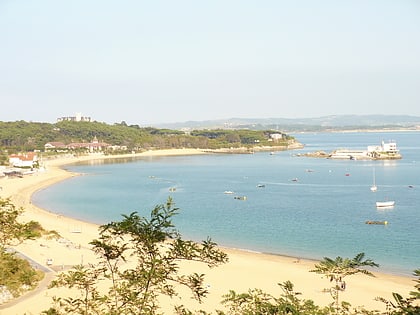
(54, 146)
(78, 117)
(93, 146)
(276, 136)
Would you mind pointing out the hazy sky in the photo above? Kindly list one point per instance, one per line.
(155, 61)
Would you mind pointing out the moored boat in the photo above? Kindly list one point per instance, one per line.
(385, 204)
(374, 187)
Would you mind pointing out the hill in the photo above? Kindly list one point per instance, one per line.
(21, 136)
(324, 123)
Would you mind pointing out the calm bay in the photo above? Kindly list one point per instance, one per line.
(296, 206)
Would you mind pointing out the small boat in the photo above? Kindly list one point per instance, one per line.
(240, 197)
(385, 204)
(294, 179)
(374, 188)
(172, 189)
(260, 185)
(377, 222)
(228, 192)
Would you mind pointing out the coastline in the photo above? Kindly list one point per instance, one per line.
(358, 130)
(246, 269)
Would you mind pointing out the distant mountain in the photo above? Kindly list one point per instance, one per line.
(334, 122)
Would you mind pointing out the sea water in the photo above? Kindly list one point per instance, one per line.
(297, 206)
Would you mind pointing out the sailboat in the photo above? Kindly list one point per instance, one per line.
(374, 187)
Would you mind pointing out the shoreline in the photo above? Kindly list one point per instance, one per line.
(246, 269)
(358, 131)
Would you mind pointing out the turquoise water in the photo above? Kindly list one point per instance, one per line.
(321, 214)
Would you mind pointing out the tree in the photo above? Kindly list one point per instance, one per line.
(15, 273)
(139, 258)
(256, 301)
(405, 306)
(339, 268)
(28, 136)
(10, 229)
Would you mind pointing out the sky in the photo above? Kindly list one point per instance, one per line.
(146, 62)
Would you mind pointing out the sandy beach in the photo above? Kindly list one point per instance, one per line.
(244, 271)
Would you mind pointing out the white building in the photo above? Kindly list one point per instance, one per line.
(28, 160)
(78, 117)
(390, 148)
(276, 136)
(384, 151)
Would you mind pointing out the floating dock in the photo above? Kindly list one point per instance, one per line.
(377, 222)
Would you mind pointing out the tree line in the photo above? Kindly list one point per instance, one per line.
(22, 136)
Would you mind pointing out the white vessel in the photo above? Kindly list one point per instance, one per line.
(385, 204)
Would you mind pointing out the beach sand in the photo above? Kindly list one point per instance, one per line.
(245, 270)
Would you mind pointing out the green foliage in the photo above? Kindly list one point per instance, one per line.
(339, 268)
(155, 247)
(52, 234)
(405, 306)
(4, 157)
(342, 267)
(220, 138)
(258, 302)
(25, 136)
(29, 136)
(15, 273)
(33, 230)
(10, 229)
(85, 280)
(416, 294)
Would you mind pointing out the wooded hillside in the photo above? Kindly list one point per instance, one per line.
(21, 136)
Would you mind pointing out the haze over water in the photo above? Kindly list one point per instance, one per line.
(321, 214)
